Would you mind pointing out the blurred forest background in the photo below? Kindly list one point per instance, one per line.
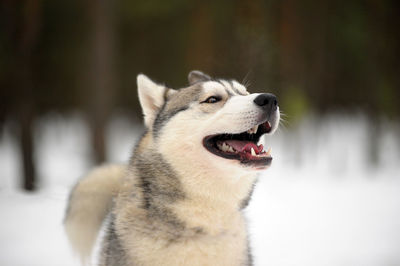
(316, 56)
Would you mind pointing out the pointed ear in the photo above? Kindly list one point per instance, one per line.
(151, 97)
(197, 76)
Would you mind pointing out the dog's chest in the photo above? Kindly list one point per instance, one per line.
(228, 248)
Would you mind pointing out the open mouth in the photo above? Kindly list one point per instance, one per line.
(243, 146)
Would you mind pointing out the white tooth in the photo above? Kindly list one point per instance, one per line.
(231, 149)
(224, 147)
(253, 153)
(227, 147)
(255, 129)
(269, 152)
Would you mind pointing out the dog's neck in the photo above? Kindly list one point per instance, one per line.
(193, 189)
(213, 204)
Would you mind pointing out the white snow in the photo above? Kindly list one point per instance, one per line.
(321, 203)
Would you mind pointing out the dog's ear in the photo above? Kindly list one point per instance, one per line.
(197, 76)
(151, 97)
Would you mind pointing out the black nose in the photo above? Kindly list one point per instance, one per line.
(267, 101)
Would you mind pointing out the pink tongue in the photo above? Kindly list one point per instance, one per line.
(242, 146)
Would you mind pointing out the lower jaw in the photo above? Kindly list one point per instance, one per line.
(258, 164)
(247, 160)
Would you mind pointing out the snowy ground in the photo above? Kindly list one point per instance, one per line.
(321, 203)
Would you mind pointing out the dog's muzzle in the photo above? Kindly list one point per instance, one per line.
(244, 146)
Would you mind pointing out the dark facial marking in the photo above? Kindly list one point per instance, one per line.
(234, 88)
(179, 102)
(163, 116)
(223, 85)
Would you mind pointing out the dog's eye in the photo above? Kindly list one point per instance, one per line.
(212, 99)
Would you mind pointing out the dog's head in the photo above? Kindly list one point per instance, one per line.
(213, 123)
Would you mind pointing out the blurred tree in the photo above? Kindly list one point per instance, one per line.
(101, 82)
(200, 43)
(22, 20)
(315, 55)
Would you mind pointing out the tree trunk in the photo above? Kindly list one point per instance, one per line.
(101, 78)
(26, 118)
(200, 48)
(26, 30)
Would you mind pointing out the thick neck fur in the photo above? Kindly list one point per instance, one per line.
(197, 195)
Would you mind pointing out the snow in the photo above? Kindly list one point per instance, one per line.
(322, 202)
(334, 222)
(31, 230)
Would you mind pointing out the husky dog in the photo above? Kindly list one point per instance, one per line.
(179, 200)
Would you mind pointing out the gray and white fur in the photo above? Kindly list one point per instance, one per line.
(175, 203)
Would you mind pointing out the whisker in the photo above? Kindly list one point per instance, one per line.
(246, 81)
